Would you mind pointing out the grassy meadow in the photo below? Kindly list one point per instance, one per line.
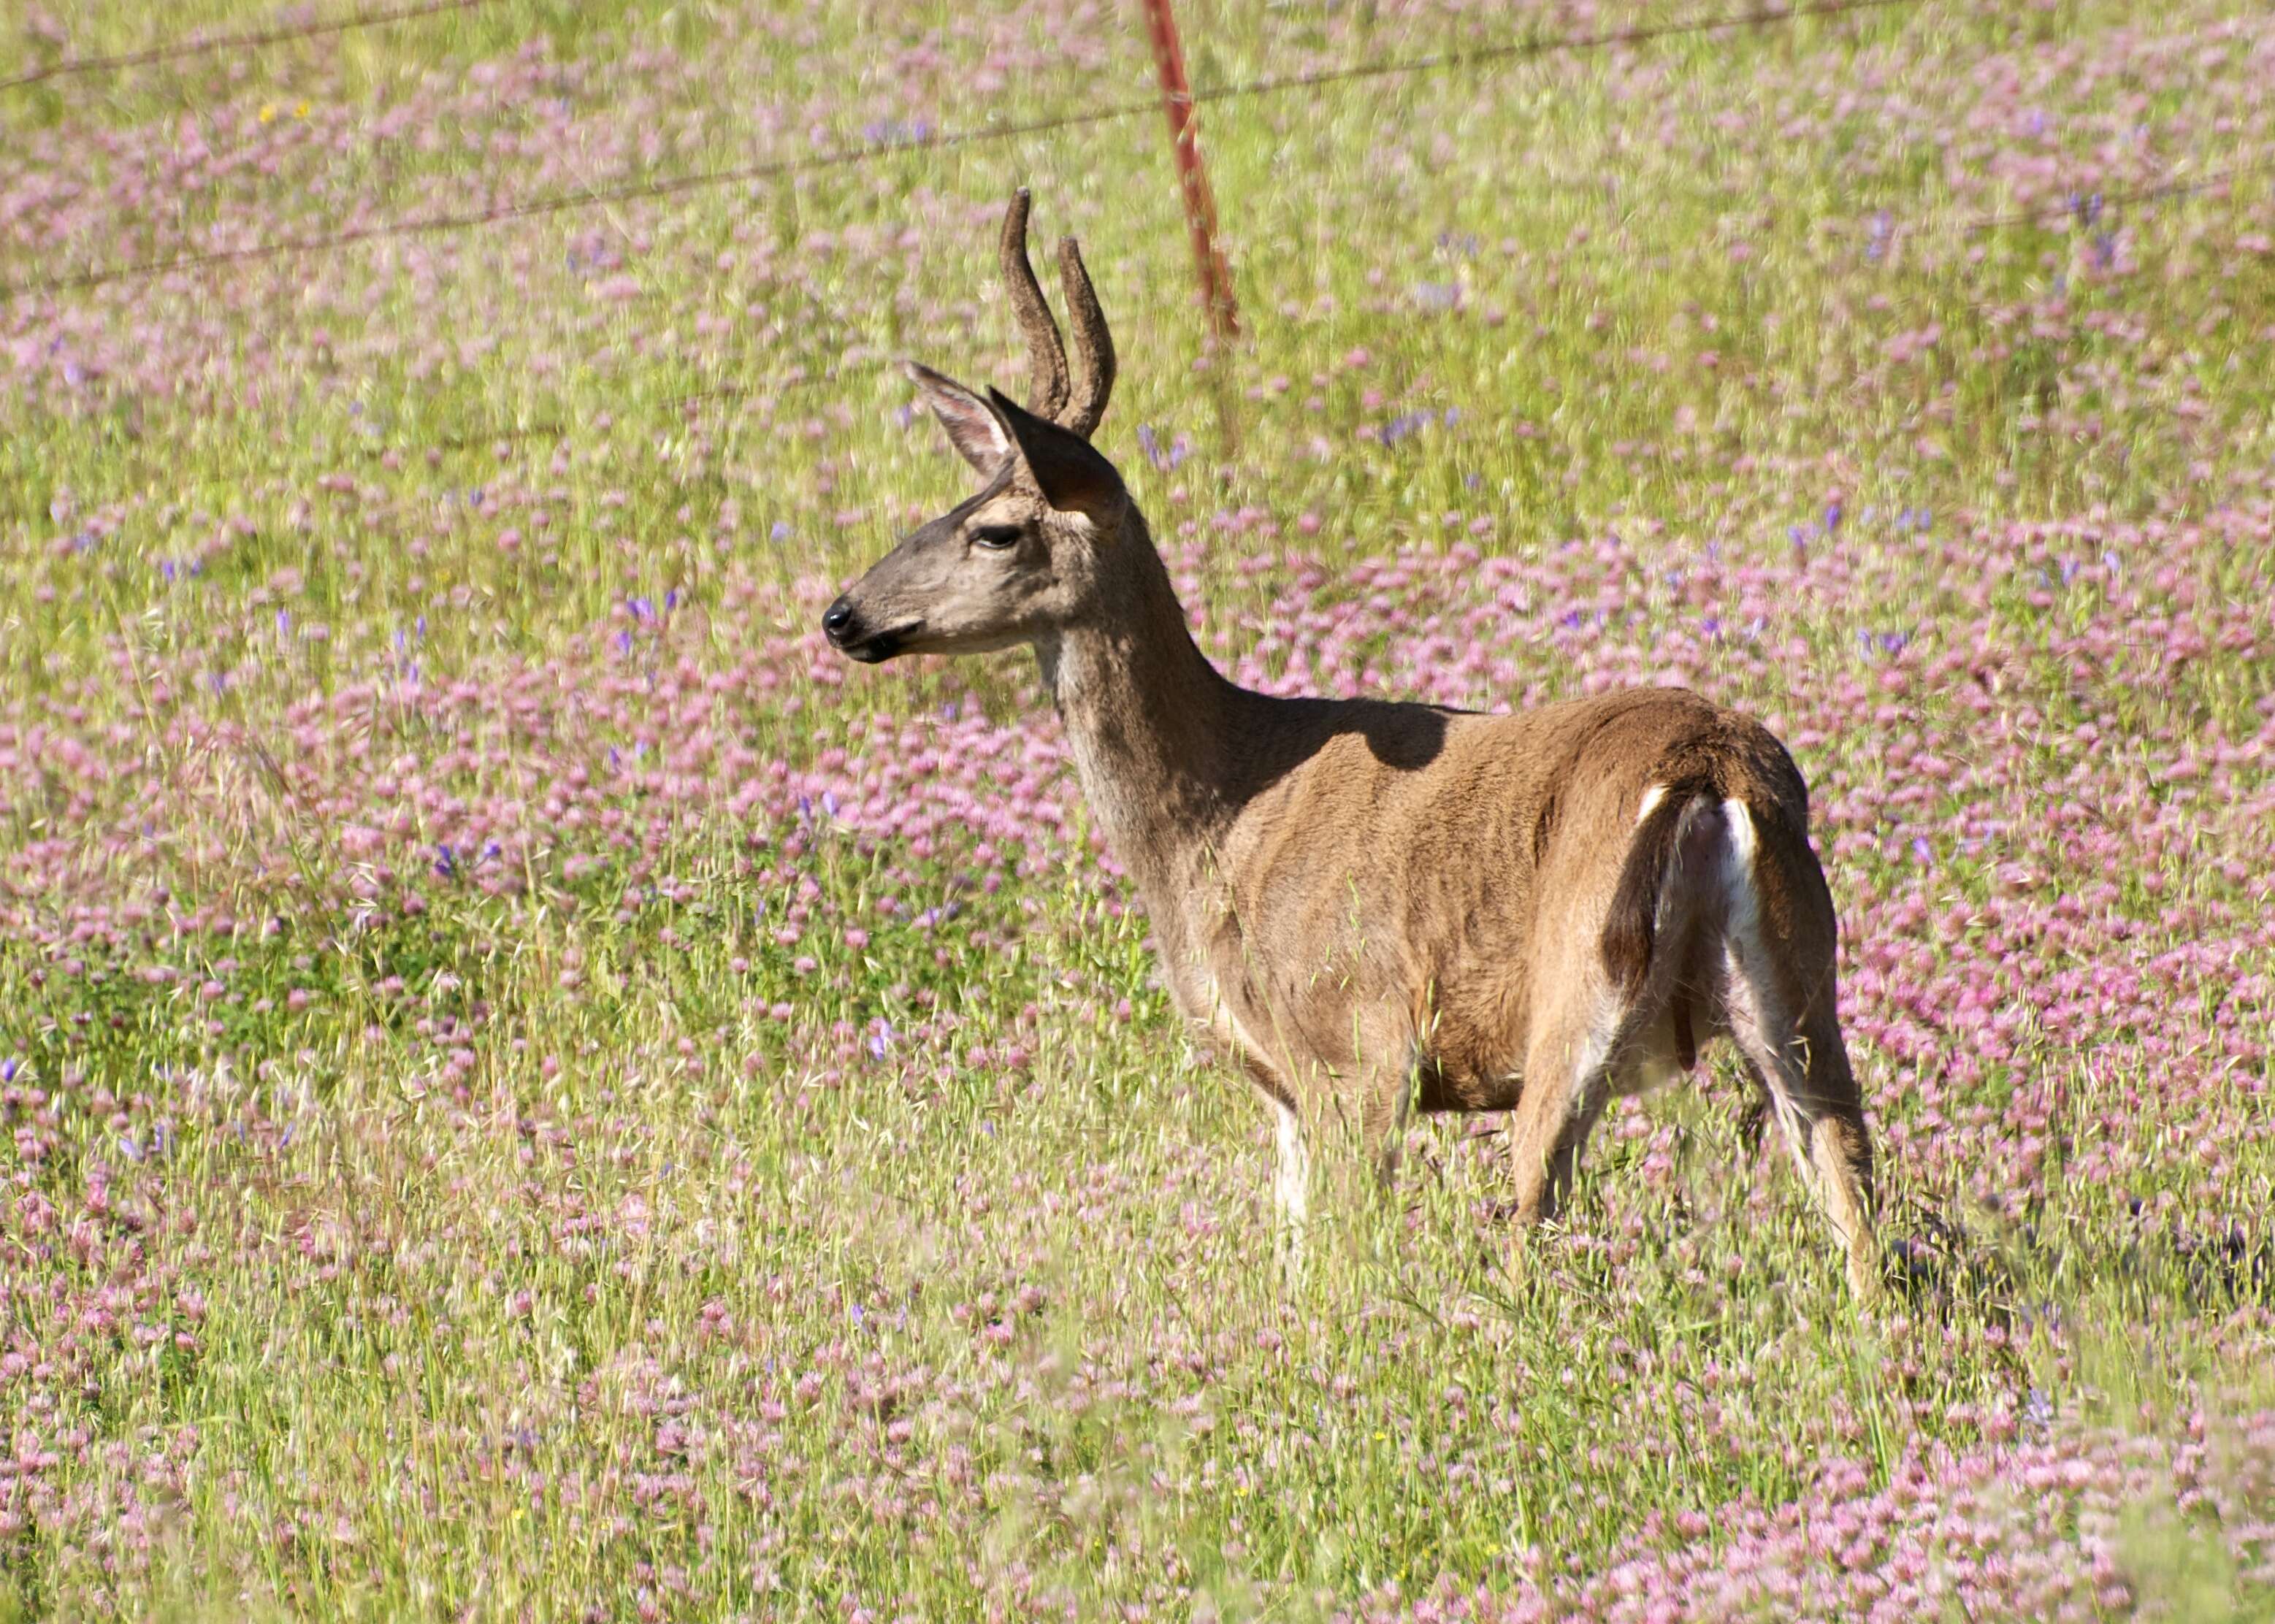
(534, 1090)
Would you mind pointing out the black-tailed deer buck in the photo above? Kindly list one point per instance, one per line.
(1381, 906)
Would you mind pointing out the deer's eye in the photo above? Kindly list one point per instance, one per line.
(996, 537)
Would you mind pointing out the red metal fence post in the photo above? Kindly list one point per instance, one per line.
(1200, 206)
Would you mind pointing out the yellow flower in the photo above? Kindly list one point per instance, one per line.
(269, 112)
(301, 111)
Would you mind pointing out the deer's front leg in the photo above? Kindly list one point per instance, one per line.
(1291, 1182)
(1291, 1178)
(1366, 1090)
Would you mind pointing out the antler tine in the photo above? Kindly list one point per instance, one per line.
(1046, 354)
(1093, 345)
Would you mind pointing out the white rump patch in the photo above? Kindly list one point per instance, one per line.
(1651, 797)
(1739, 871)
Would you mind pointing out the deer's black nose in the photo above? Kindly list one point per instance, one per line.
(836, 620)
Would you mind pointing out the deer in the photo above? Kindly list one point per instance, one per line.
(1379, 907)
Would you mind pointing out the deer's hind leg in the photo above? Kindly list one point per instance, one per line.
(1814, 1097)
(1778, 997)
(1567, 1081)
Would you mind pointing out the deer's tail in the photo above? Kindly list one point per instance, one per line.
(1631, 927)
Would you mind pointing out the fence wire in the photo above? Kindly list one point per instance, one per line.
(206, 45)
(670, 186)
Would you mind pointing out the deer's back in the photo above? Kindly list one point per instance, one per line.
(1400, 851)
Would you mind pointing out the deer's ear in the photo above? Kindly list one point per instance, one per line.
(1068, 469)
(973, 429)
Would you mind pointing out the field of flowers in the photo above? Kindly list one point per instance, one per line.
(533, 1090)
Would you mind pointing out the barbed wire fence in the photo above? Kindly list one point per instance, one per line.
(670, 186)
(176, 50)
(2079, 205)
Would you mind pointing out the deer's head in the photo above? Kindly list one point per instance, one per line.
(1039, 548)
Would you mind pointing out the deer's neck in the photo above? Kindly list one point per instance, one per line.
(1150, 721)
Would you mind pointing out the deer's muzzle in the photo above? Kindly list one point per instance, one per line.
(852, 636)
